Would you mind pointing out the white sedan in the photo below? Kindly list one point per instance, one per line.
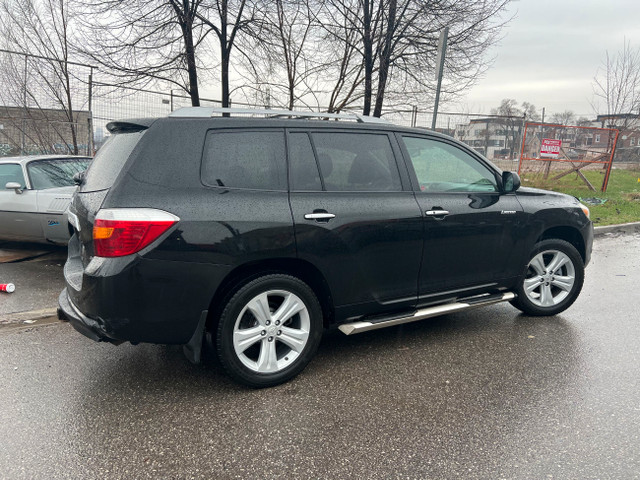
(35, 192)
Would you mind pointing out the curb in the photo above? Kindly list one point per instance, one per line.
(623, 228)
(27, 318)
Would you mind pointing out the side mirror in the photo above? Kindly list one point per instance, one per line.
(510, 182)
(14, 186)
(78, 178)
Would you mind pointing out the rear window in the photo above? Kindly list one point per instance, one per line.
(109, 160)
(254, 160)
(57, 172)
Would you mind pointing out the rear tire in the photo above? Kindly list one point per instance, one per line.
(269, 330)
(552, 279)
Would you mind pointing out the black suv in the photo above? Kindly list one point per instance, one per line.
(260, 232)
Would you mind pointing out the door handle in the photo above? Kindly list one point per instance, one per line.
(437, 213)
(319, 216)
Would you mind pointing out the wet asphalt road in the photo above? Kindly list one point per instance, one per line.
(38, 280)
(483, 394)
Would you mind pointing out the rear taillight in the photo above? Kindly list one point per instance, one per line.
(122, 231)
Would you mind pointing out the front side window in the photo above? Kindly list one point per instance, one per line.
(254, 160)
(356, 162)
(58, 172)
(441, 167)
(11, 172)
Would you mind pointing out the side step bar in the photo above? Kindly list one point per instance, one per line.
(473, 302)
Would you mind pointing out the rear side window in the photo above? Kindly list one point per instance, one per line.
(304, 169)
(357, 162)
(11, 172)
(109, 160)
(254, 160)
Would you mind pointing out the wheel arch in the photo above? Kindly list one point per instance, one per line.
(244, 273)
(568, 234)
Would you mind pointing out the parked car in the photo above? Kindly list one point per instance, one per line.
(261, 232)
(35, 191)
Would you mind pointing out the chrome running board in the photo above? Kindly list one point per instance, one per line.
(472, 302)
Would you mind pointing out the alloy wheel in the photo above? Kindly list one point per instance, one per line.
(550, 278)
(271, 331)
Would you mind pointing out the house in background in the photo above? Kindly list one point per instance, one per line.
(493, 137)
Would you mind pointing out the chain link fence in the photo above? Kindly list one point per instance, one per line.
(116, 102)
(44, 105)
(39, 114)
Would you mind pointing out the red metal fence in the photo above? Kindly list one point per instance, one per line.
(552, 153)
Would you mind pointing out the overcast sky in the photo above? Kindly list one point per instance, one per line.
(551, 51)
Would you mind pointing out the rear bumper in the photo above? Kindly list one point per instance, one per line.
(139, 300)
(90, 328)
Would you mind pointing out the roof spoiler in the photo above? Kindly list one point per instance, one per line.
(129, 126)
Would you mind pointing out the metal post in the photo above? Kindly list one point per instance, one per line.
(442, 48)
(90, 119)
(24, 103)
(171, 100)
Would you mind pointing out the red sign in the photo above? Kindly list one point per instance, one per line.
(550, 148)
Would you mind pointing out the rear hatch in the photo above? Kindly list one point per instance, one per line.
(99, 178)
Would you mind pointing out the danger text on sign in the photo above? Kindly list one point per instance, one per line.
(550, 148)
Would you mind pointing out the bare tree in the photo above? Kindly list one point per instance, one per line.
(564, 118)
(395, 43)
(142, 42)
(280, 64)
(44, 86)
(512, 120)
(616, 87)
(228, 19)
(343, 66)
(531, 112)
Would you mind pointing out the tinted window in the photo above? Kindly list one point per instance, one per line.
(253, 160)
(356, 161)
(11, 172)
(441, 167)
(109, 160)
(58, 172)
(304, 169)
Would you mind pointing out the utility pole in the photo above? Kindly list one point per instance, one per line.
(24, 102)
(442, 49)
(90, 119)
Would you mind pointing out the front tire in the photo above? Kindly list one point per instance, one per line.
(552, 279)
(269, 330)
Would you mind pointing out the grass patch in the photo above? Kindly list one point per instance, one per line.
(622, 195)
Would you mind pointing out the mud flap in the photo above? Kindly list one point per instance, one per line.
(193, 349)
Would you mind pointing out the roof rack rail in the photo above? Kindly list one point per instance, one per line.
(211, 111)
